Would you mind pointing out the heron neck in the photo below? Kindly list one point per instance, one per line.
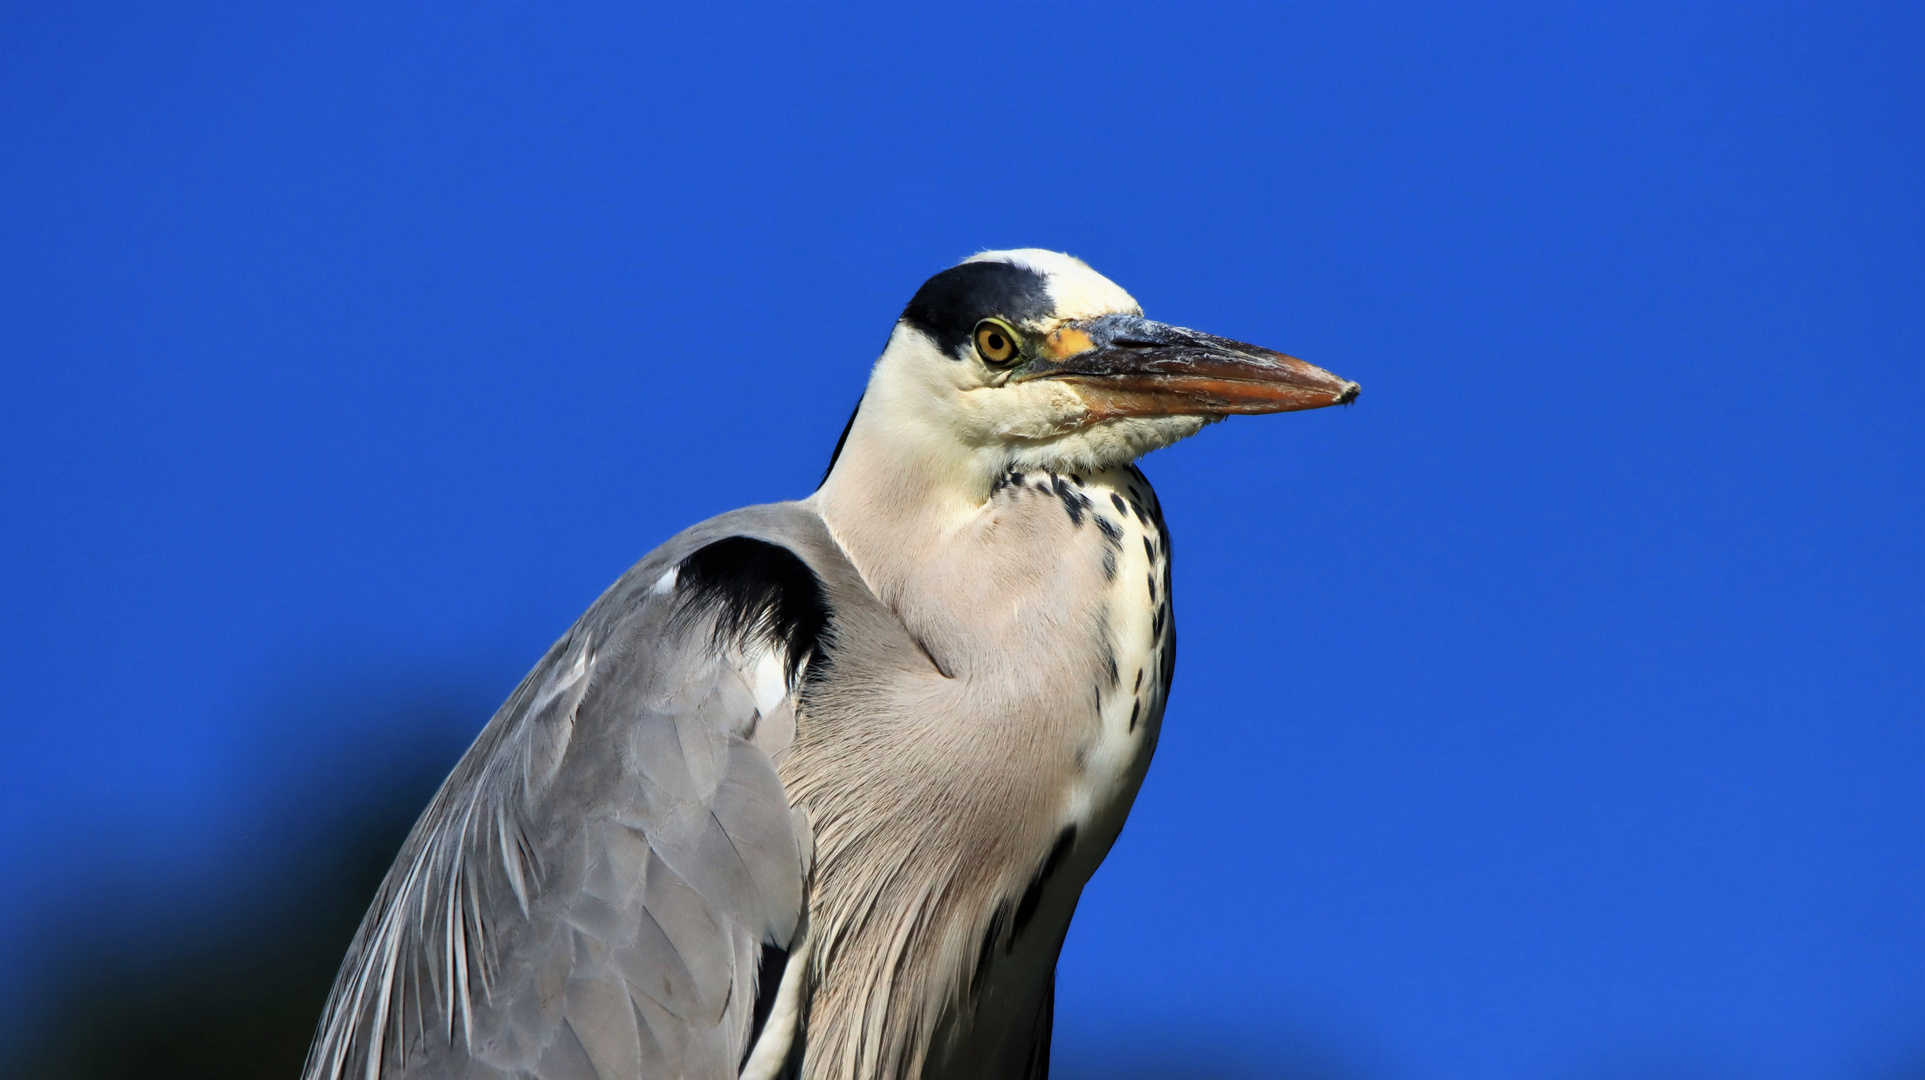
(896, 497)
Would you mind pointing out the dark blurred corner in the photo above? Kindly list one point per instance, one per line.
(231, 987)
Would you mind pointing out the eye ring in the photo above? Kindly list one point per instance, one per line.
(997, 342)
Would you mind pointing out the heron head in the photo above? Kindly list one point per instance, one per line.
(1029, 358)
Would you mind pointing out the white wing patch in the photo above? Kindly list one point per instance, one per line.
(768, 677)
(770, 681)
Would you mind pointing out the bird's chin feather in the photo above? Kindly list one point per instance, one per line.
(1046, 425)
(1105, 445)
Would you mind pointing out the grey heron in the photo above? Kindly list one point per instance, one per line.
(812, 791)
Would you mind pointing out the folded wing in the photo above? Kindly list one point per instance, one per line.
(612, 880)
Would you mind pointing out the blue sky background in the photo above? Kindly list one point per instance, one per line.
(1555, 712)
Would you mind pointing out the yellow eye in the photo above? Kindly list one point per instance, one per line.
(995, 341)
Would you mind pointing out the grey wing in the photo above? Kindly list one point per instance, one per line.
(611, 881)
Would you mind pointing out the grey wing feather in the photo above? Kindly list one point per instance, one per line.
(589, 893)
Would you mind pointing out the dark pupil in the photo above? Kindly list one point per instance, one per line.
(995, 342)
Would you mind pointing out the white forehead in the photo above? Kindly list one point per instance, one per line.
(1076, 291)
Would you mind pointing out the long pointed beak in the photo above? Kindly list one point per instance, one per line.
(1124, 365)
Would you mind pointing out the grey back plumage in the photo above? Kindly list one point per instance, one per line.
(601, 884)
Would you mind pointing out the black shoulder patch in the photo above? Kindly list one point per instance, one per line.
(754, 587)
(949, 305)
